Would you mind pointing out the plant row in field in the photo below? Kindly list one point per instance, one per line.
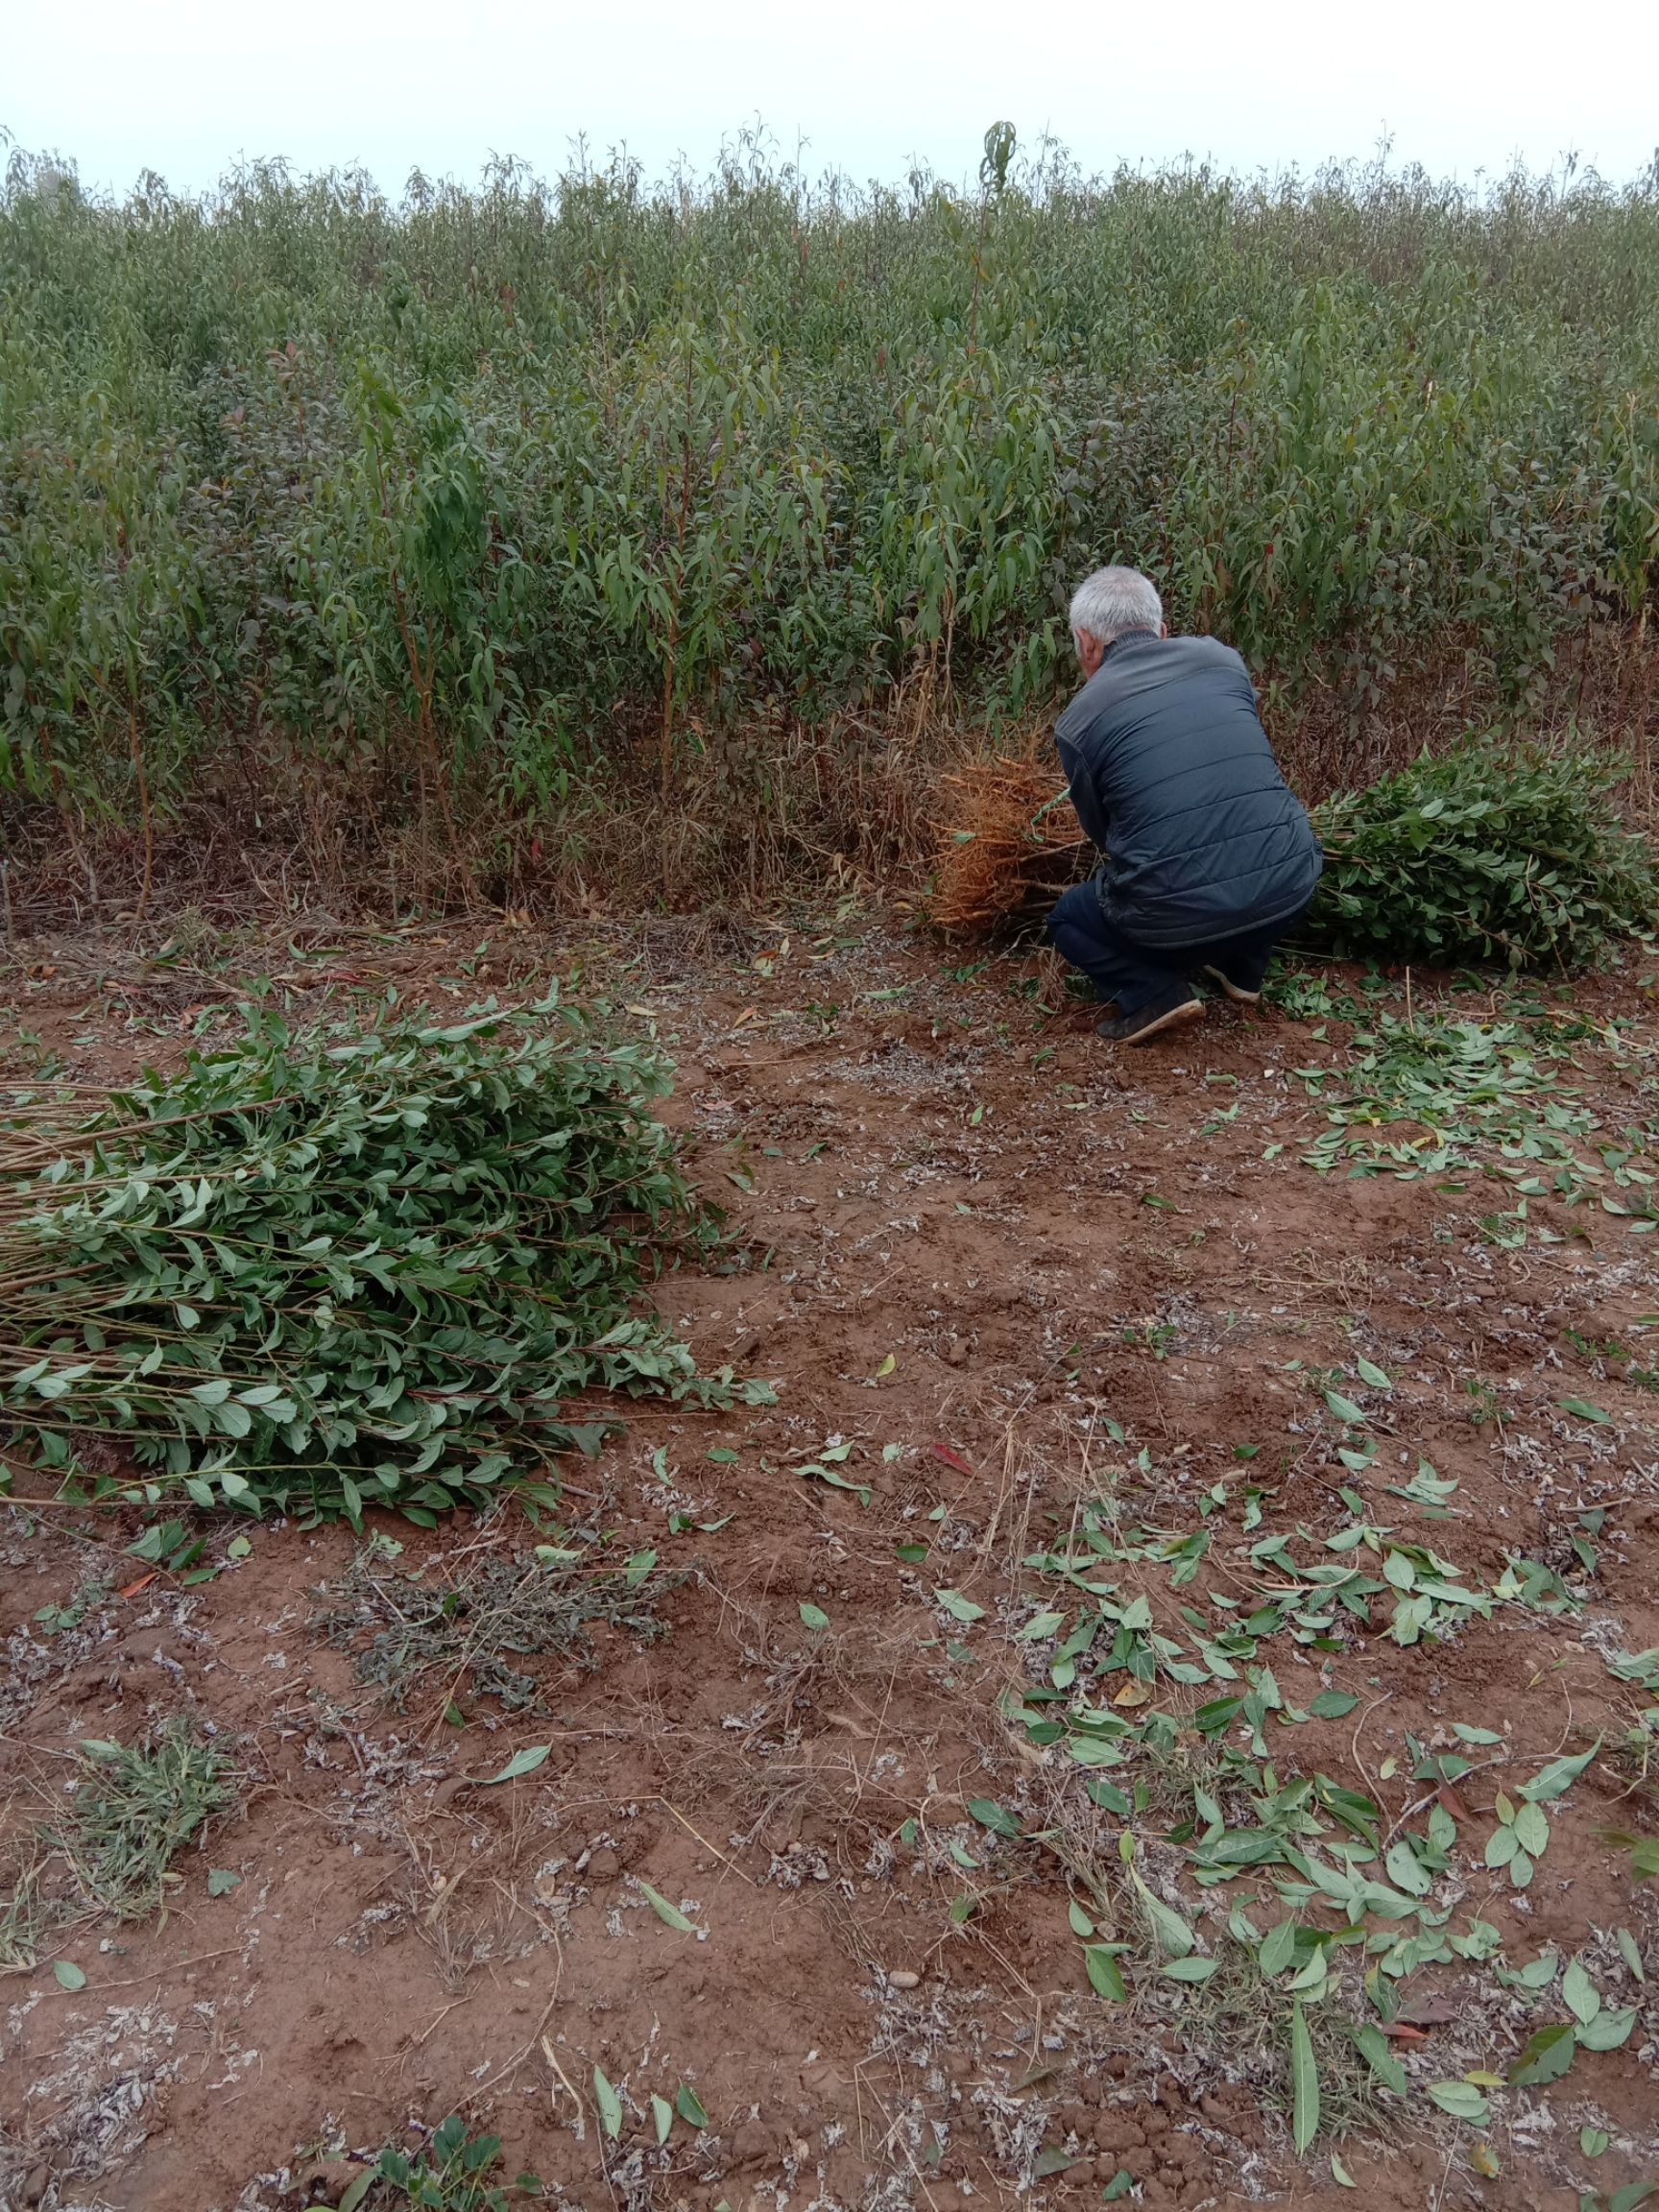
(436, 491)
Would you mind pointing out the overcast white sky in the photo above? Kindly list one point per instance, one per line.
(187, 88)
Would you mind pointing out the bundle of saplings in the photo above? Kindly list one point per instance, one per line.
(1492, 852)
(315, 1272)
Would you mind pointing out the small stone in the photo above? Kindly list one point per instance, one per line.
(901, 1978)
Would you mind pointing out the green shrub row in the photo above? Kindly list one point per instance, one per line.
(460, 489)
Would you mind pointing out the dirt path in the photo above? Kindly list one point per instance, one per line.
(1060, 1336)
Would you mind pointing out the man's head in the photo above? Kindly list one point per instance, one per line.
(1109, 603)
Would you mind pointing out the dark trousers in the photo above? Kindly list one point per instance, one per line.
(1132, 974)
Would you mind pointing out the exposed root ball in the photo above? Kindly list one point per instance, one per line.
(1008, 840)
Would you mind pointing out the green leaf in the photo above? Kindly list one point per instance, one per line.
(1462, 2101)
(1332, 1704)
(1304, 2082)
(1629, 1953)
(1081, 1924)
(1345, 1410)
(689, 2107)
(1607, 2031)
(1532, 1828)
(1632, 2196)
(523, 1762)
(1544, 2056)
(670, 1914)
(1105, 1975)
(1501, 1846)
(1581, 1409)
(822, 1473)
(1119, 2185)
(1175, 1939)
(1278, 1947)
(1369, 1371)
(990, 1814)
(357, 2190)
(814, 1615)
(959, 1608)
(1193, 1969)
(1405, 1870)
(1340, 2174)
(1558, 1776)
(68, 1974)
(1593, 2141)
(663, 2117)
(222, 1880)
(610, 2104)
(1373, 2048)
(1579, 1994)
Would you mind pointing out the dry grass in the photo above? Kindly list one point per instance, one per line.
(455, 1628)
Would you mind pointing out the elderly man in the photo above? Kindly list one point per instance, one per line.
(1208, 856)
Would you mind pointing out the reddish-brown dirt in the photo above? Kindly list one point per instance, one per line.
(1014, 1271)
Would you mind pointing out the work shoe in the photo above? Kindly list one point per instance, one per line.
(1173, 1009)
(1237, 992)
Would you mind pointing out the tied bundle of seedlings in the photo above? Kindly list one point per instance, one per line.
(358, 1267)
(1493, 852)
(1011, 842)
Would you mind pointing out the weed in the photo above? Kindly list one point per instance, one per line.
(1158, 1337)
(23, 1922)
(1252, 2014)
(1484, 1403)
(89, 1595)
(461, 1628)
(133, 1810)
(451, 2175)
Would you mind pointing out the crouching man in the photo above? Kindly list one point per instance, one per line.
(1208, 857)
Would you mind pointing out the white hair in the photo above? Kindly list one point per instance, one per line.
(1113, 600)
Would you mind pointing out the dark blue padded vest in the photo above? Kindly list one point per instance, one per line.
(1174, 781)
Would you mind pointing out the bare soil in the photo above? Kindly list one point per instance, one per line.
(1014, 1269)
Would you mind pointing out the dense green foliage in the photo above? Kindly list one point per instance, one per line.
(313, 1273)
(1492, 852)
(443, 493)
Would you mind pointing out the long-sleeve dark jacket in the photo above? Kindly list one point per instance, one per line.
(1174, 781)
